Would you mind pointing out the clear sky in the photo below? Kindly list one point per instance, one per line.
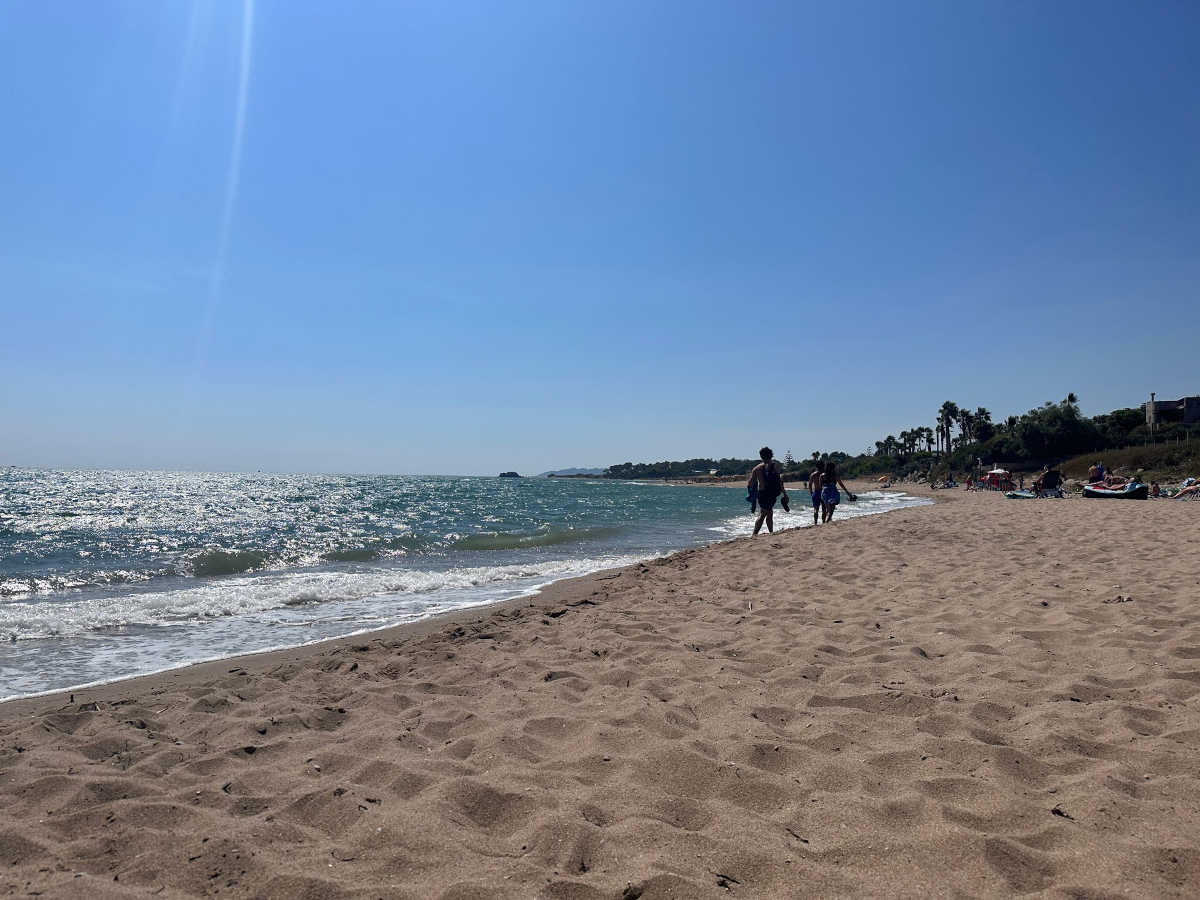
(455, 237)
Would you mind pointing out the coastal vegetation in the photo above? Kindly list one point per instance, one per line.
(961, 438)
(682, 469)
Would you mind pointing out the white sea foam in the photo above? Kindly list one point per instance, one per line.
(869, 503)
(93, 641)
(239, 596)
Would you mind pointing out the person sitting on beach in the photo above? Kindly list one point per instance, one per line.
(1037, 482)
(767, 476)
(1049, 482)
(1116, 482)
(1155, 490)
(1094, 473)
(814, 488)
(830, 497)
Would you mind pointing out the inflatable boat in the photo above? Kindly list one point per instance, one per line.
(1132, 491)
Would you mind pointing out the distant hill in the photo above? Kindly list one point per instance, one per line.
(572, 472)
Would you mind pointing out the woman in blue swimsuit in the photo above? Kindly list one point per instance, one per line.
(830, 497)
(814, 488)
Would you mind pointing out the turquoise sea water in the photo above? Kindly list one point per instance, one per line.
(107, 574)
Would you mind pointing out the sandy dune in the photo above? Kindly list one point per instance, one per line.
(943, 701)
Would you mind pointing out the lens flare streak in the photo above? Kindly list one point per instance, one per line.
(216, 281)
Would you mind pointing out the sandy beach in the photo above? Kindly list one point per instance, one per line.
(976, 698)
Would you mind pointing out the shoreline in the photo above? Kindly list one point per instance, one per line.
(365, 633)
(958, 699)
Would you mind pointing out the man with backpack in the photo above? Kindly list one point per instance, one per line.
(767, 480)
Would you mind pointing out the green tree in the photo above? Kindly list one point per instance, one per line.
(1056, 430)
(947, 416)
(1117, 427)
(984, 429)
(966, 426)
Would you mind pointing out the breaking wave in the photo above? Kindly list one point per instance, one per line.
(500, 540)
(263, 592)
(226, 562)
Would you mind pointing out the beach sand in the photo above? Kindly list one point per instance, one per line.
(940, 701)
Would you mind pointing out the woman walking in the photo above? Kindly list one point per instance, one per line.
(830, 497)
(814, 488)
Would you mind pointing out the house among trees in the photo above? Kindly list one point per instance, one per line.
(1185, 411)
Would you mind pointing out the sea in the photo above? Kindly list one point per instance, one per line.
(109, 574)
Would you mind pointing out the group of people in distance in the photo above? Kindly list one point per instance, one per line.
(1098, 476)
(765, 487)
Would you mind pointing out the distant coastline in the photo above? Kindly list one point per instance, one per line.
(1054, 434)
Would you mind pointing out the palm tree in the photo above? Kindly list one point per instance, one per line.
(947, 416)
(981, 424)
(880, 449)
(966, 425)
(927, 433)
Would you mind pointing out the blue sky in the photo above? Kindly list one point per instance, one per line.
(463, 237)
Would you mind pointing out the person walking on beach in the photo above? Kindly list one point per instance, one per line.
(814, 488)
(767, 476)
(830, 497)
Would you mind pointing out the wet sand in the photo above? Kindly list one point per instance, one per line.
(978, 698)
